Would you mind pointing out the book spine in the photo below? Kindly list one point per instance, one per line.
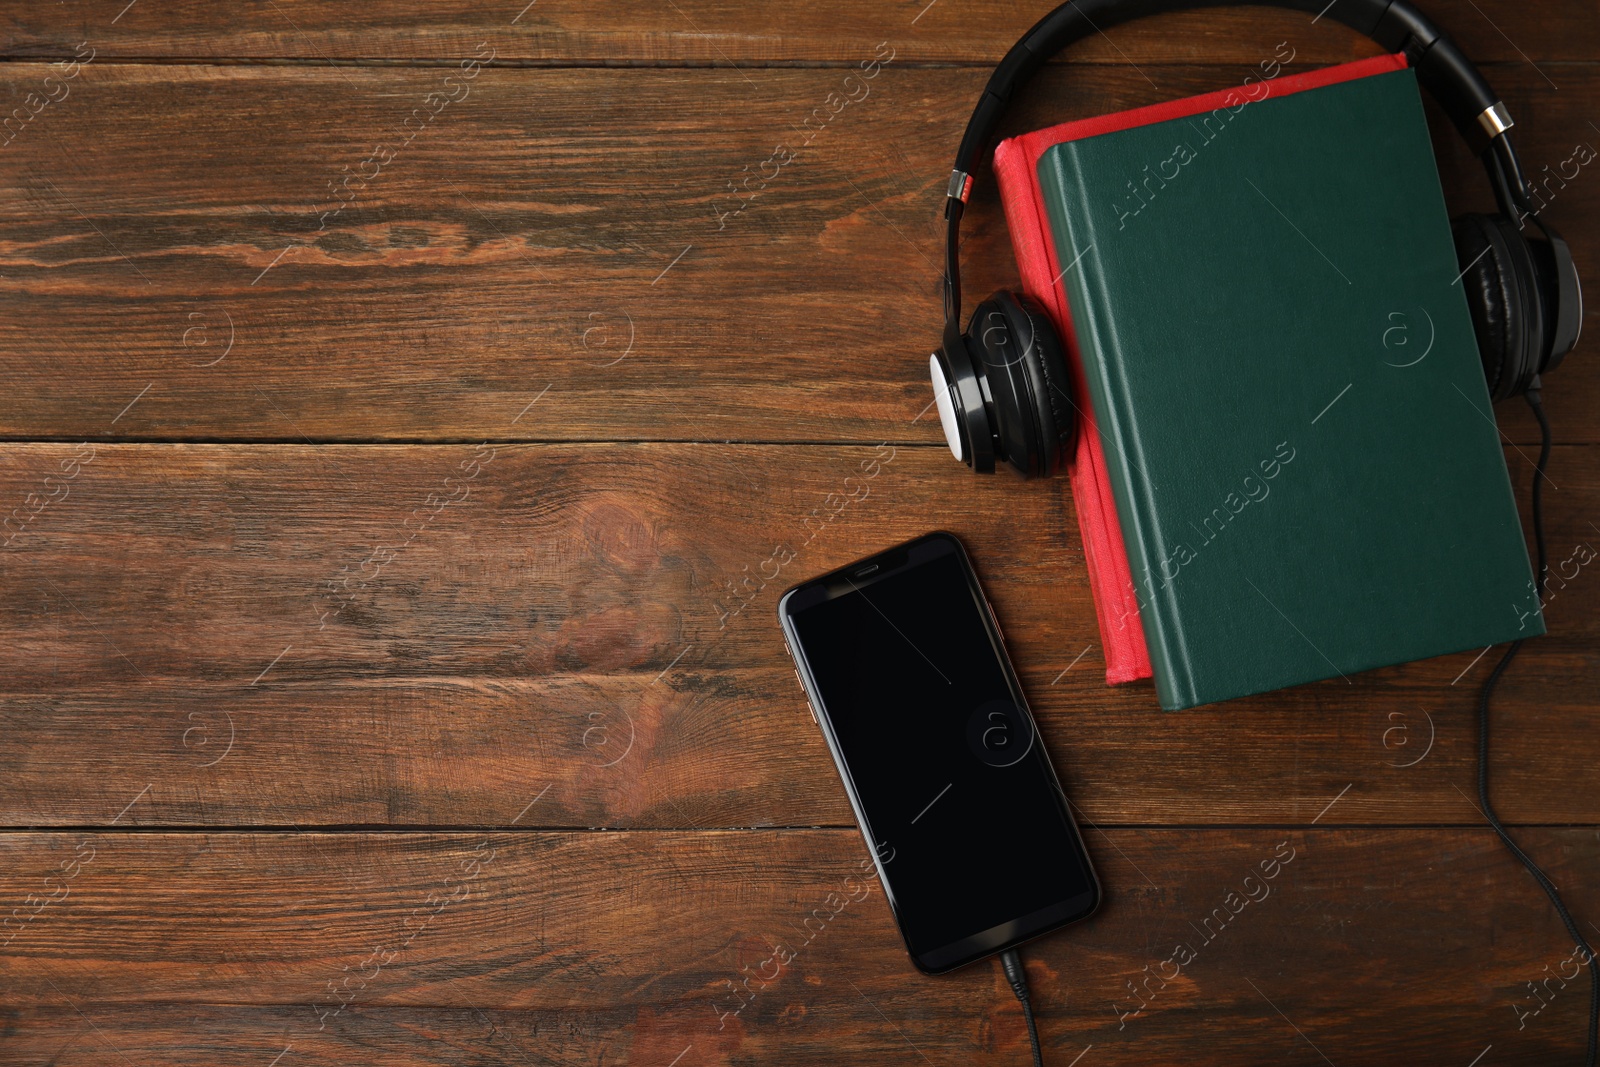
(1116, 422)
(1110, 580)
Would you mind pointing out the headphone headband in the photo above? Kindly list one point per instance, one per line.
(1395, 25)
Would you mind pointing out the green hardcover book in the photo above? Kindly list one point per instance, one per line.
(1296, 426)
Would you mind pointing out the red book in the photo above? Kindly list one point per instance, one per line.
(1016, 163)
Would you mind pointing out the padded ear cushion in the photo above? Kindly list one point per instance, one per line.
(992, 337)
(1015, 345)
(1051, 385)
(1483, 282)
(1502, 289)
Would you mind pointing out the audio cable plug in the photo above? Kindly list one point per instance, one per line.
(1011, 963)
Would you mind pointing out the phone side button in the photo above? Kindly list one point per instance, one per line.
(803, 692)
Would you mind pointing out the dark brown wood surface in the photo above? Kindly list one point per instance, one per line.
(299, 766)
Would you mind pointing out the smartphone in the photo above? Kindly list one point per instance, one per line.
(903, 665)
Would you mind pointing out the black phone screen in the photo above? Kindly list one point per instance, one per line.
(929, 727)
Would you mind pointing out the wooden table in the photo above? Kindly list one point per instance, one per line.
(412, 412)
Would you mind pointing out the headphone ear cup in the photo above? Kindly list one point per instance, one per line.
(1027, 374)
(1562, 293)
(1051, 384)
(994, 336)
(1502, 289)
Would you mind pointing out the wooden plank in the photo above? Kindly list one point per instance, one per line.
(191, 275)
(719, 31)
(600, 948)
(211, 630)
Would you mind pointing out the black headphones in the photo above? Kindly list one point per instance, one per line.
(1002, 387)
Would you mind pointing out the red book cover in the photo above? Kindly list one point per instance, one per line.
(1016, 162)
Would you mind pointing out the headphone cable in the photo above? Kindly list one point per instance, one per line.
(1011, 963)
(1534, 402)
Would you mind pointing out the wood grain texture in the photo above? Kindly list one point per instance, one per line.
(474, 948)
(283, 636)
(726, 32)
(328, 735)
(170, 235)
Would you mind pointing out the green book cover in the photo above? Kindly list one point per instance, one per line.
(1299, 438)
